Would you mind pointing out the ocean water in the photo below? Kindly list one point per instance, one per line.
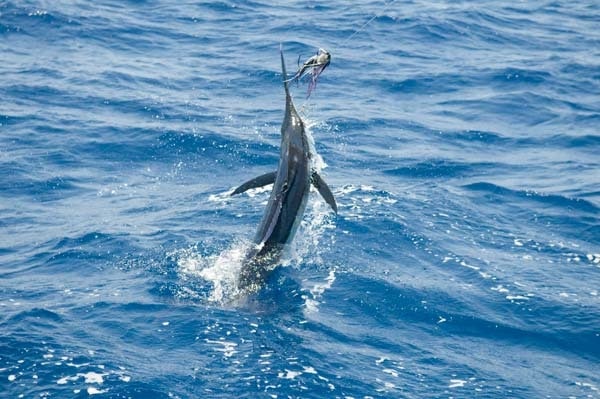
(461, 140)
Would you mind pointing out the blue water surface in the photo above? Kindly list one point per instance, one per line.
(461, 140)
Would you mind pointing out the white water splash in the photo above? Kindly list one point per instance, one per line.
(221, 270)
(308, 243)
(457, 383)
(317, 162)
(312, 302)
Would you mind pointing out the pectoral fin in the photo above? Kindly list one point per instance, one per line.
(324, 190)
(260, 181)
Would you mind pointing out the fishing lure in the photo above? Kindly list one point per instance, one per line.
(314, 66)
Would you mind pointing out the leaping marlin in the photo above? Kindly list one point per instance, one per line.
(291, 186)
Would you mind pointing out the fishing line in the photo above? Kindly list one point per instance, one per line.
(315, 72)
(386, 6)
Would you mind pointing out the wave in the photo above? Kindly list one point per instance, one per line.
(45, 190)
(548, 327)
(442, 168)
(30, 20)
(548, 199)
